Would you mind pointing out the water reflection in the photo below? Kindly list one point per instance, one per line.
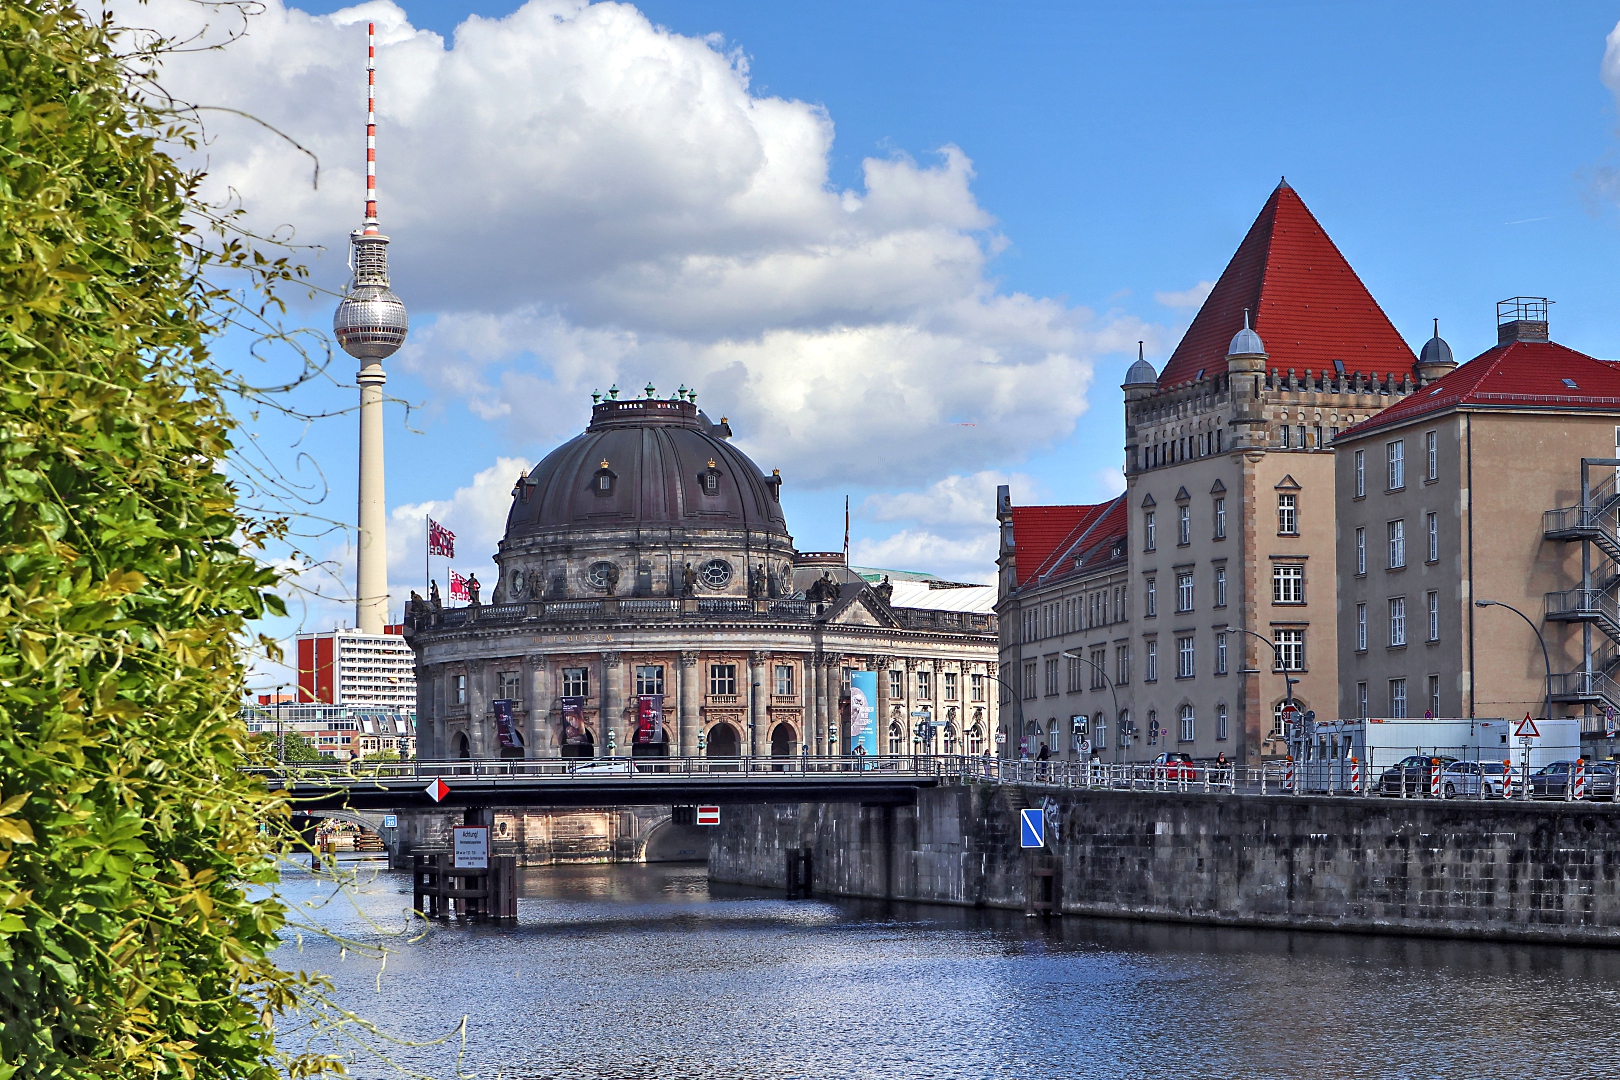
(633, 972)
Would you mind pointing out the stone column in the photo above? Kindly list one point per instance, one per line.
(880, 664)
(611, 714)
(540, 734)
(759, 717)
(437, 740)
(906, 722)
(478, 710)
(688, 704)
(816, 700)
(832, 681)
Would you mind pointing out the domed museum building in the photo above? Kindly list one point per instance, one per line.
(650, 601)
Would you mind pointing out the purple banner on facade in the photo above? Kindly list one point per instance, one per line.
(511, 738)
(573, 715)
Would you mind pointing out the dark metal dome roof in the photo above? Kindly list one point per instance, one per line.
(1436, 351)
(647, 463)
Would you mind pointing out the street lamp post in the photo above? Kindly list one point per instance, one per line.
(1018, 706)
(1113, 692)
(1546, 701)
(281, 742)
(1289, 682)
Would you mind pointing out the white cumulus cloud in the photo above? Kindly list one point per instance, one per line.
(1186, 298)
(578, 197)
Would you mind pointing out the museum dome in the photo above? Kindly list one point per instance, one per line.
(646, 463)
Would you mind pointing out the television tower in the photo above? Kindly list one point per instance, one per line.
(370, 325)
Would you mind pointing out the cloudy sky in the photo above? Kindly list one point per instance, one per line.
(908, 249)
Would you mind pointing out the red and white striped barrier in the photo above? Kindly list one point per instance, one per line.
(1507, 779)
(1355, 776)
(1580, 778)
(1288, 776)
(1434, 778)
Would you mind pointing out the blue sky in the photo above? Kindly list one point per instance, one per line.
(1107, 158)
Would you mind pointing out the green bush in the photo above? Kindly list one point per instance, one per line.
(129, 944)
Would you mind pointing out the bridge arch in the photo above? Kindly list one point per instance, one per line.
(666, 841)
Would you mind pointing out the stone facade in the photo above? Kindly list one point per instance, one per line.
(650, 558)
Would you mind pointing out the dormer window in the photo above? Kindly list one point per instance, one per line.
(711, 479)
(602, 483)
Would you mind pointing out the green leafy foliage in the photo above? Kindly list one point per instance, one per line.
(135, 926)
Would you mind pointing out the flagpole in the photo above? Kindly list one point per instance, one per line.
(427, 556)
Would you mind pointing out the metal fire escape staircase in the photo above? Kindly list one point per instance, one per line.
(1595, 525)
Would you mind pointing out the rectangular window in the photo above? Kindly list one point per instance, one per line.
(1099, 733)
(650, 678)
(1220, 722)
(1052, 677)
(784, 680)
(1433, 526)
(1361, 473)
(1220, 654)
(1184, 526)
(1361, 551)
(1397, 464)
(1361, 628)
(976, 686)
(1220, 519)
(1184, 657)
(1152, 673)
(1397, 544)
(1152, 601)
(1397, 698)
(510, 686)
(897, 684)
(1285, 435)
(1188, 726)
(1099, 665)
(1184, 591)
(1287, 584)
(1434, 695)
(1029, 681)
(1361, 700)
(1397, 620)
(925, 684)
(1434, 615)
(1431, 448)
(1122, 665)
(723, 679)
(461, 689)
(1287, 519)
(1074, 674)
(1290, 649)
(950, 686)
(1220, 586)
(576, 682)
(1148, 531)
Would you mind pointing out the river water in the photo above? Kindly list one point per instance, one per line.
(652, 971)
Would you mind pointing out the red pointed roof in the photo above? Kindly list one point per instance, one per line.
(1304, 301)
(1096, 530)
(1518, 375)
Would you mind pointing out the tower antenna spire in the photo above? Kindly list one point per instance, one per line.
(370, 324)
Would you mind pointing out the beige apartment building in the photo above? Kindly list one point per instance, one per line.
(1230, 504)
(1472, 491)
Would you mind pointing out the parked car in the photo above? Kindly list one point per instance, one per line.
(1552, 781)
(1176, 766)
(1471, 779)
(1410, 774)
(604, 767)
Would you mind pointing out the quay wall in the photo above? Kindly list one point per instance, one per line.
(541, 837)
(1517, 871)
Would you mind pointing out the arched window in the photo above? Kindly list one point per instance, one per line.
(1189, 727)
(950, 738)
(897, 744)
(1153, 726)
(1220, 721)
(975, 740)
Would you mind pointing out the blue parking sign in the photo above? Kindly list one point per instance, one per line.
(1032, 828)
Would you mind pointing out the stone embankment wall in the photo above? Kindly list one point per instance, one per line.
(1536, 871)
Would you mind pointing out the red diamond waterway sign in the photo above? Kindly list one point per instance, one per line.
(437, 790)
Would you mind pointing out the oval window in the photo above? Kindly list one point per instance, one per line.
(602, 575)
(517, 583)
(716, 573)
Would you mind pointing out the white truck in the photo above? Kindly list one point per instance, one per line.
(1323, 749)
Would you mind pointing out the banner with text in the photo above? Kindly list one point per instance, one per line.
(863, 712)
(573, 714)
(505, 728)
(650, 719)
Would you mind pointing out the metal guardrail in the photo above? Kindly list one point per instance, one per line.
(1335, 778)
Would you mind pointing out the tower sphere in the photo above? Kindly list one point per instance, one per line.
(370, 323)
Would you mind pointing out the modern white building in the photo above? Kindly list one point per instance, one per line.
(349, 667)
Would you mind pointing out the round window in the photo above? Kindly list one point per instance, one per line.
(602, 575)
(716, 573)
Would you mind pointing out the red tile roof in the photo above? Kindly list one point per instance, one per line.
(1517, 375)
(1043, 540)
(1304, 301)
(1087, 542)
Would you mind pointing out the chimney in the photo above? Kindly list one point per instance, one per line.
(1521, 318)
